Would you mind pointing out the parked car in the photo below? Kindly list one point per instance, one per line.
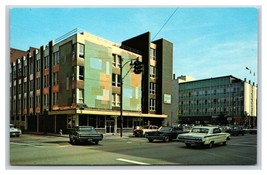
(84, 134)
(251, 131)
(165, 133)
(141, 131)
(236, 131)
(204, 135)
(14, 131)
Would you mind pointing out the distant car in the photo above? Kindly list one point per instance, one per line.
(84, 134)
(251, 131)
(204, 135)
(141, 131)
(14, 131)
(236, 131)
(165, 133)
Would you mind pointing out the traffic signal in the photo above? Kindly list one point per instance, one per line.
(138, 67)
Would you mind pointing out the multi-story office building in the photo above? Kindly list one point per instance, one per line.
(218, 100)
(75, 80)
(157, 75)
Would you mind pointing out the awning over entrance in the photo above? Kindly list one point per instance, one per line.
(104, 112)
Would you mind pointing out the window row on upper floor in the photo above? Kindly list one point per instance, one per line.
(205, 92)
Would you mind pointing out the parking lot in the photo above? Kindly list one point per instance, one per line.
(131, 151)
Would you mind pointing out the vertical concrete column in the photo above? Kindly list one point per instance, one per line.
(76, 118)
(25, 123)
(51, 44)
(37, 122)
(55, 129)
(115, 124)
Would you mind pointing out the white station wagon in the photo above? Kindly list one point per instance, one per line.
(204, 135)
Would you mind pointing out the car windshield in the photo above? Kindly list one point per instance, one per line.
(200, 130)
(164, 128)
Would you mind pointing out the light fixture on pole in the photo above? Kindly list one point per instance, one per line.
(138, 68)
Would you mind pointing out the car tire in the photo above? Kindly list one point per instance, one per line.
(211, 144)
(188, 145)
(150, 140)
(96, 142)
(73, 141)
(225, 143)
(166, 139)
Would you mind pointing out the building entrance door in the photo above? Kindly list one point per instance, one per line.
(109, 126)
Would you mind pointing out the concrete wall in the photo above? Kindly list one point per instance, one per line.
(164, 79)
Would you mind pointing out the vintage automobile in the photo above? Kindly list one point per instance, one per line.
(236, 131)
(141, 131)
(84, 134)
(165, 133)
(14, 131)
(204, 135)
(251, 131)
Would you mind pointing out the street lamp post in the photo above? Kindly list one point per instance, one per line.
(253, 83)
(121, 92)
(251, 76)
(138, 68)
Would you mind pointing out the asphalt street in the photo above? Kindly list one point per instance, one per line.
(43, 150)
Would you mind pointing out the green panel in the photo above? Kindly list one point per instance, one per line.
(98, 61)
(98, 85)
(131, 95)
(96, 91)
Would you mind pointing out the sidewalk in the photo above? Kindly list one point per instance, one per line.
(117, 135)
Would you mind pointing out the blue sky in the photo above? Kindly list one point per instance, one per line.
(208, 42)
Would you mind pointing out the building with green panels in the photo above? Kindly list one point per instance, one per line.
(220, 100)
(75, 80)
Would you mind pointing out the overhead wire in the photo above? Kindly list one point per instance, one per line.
(165, 23)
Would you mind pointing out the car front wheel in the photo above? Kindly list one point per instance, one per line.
(150, 140)
(166, 139)
(225, 142)
(72, 141)
(188, 144)
(211, 145)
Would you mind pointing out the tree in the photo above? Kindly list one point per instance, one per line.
(245, 118)
(178, 119)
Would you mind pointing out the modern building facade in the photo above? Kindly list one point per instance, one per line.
(221, 100)
(157, 74)
(75, 80)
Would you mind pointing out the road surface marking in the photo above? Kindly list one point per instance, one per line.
(242, 145)
(64, 146)
(23, 144)
(132, 161)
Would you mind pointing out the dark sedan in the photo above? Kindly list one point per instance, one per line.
(235, 131)
(165, 133)
(84, 134)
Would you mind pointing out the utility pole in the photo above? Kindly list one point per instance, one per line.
(121, 97)
(138, 68)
